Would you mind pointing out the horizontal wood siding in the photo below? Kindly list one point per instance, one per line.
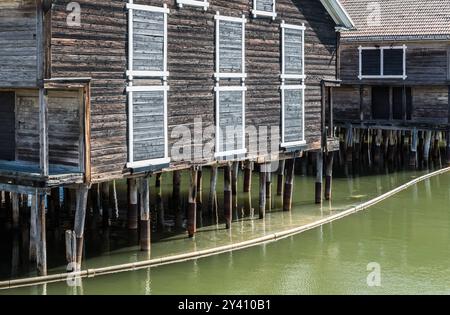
(18, 63)
(98, 48)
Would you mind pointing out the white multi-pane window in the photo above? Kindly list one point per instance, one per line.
(293, 85)
(264, 8)
(147, 104)
(230, 99)
(195, 3)
(382, 62)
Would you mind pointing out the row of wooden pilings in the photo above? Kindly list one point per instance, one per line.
(379, 146)
(100, 201)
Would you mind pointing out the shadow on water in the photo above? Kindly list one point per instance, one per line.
(353, 184)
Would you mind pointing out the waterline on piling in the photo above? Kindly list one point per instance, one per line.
(89, 273)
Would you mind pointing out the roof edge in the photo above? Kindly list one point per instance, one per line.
(339, 14)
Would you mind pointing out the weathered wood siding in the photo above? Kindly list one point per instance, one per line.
(65, 127)
(426, 63)
(98, 48)
(18, 63)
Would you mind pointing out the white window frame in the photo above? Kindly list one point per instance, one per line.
(382, 76)
(194, 3)
(146, 74)
(301, 87)
(221, 75)
(257, 13)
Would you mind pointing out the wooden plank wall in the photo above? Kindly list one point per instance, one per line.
(65, 125)
(98, 49)
(18, 66)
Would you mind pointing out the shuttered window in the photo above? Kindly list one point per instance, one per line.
(293, 85)
(195, 3)
(264, 8)
(230, 98)
(147, 104)
(382, 62)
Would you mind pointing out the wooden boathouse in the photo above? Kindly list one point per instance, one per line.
(395, 72)
(97, 91)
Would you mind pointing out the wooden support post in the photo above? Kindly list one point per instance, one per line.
(176, 190)
(234, 183)
(329, 176)
(41, 252)
(15, 210)
(227, 195)
(159, 202)
(80, 220)
(145, 215)
(106, 206)
(262, 190)
(53, 211)
(71, 250)
(132, 204)
(289, 185)
(7, 200)
(199, 188)
(268, 187)
(115, 201)
(319, 177)
(192, 204)
(280, 178)
(427, 147)
(249, 165)
(413, 148)
(212, 203)
(33, 229)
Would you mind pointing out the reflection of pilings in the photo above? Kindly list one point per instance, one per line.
(145, 214)
(289, 185)
(192, 204)
(227, 195)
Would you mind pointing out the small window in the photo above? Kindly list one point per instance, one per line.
(382, 63)
(264, 8)
(391, 103)
(194, 3)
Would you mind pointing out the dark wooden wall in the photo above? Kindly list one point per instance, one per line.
(99, 48)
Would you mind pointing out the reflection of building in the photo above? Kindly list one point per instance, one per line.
(395, 70)
(90, 92)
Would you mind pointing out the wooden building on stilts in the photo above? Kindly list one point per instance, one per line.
(97, 91)
(393, 104)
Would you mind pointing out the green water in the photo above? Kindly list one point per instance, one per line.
(407, 235)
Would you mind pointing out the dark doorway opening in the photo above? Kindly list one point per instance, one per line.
(380, 103)
(7, 126)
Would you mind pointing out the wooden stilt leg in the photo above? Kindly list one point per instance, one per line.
(192, 204)
(319, 177)
(212, 203)
(159, 202)
(80, 220)
(176, 191)
(132, 204)
(71, 250)
(268, 188)
(280, 178)
(144, 191)
(289, 185)
(227, 195)
(249, 165)
(54, 206)
(234, 183)
(262, 191)
(115, 201)
(329, 176)
(106, 214)
(41, 253)
(15, 210)
(33, 229)
(199, 189)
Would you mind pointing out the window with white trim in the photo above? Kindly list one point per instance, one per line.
(293, 85)
(230, 99)
(194, 3)
(382, 62)
(264, 8)
(147, 104)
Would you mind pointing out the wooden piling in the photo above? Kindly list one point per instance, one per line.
(15, 210)
(192, 204)
(53, 208)
(80, 220)
(199, 188)
(268, 188)
(329, 176)
(280, 177)
(33, 229)
(212, 203)
(114, 201)
(144, 192)
(248, 169)
(106, 205)
(41, 252)
(289, 185)
(159, 202)
(319, 177)
(71, 250)
(132, 216)
(176, 190)
(413, 148)
(234, 183)
(262, 190)
(227, 195)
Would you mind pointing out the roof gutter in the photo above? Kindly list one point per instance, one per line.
(339, 15)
